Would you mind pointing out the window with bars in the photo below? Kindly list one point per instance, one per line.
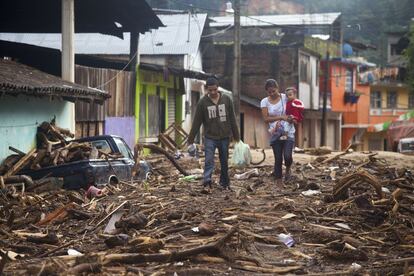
(391, 99)
(349, 81)
(376, 99)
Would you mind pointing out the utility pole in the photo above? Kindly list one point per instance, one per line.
(68, 51)
(237, 62)
(68, 33)
(325, 100)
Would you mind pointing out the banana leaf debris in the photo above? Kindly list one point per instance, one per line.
(360, 220)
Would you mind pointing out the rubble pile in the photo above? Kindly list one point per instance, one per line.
(334, 216)
(52, 149)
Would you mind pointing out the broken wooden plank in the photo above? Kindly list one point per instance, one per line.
(21, 163)
(110, 214)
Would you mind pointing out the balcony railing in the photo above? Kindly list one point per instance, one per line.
(351, 98)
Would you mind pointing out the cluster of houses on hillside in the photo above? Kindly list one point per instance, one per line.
(176, 53)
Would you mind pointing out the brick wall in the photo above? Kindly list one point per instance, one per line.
(259, 63)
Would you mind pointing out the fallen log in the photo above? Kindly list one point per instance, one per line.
(174, 256)
(27, 180)
(361, 176)
(50, 238)
(158, 149)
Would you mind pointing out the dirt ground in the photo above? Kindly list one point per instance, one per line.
(351, 215)
(393, 159)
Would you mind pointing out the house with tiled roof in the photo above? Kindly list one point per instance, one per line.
(29, 97)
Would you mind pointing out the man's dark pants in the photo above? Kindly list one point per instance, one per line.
(210, 146)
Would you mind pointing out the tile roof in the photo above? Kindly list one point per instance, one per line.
(16, 78)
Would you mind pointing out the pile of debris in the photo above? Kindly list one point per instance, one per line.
(52, 149)
(333, 217)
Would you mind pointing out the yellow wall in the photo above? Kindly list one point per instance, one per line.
(152, 80)
(402, 95)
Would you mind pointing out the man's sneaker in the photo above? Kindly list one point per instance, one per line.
(206, 184)
(225, 188)
(288, 174)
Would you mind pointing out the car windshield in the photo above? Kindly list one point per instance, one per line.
(123, 148)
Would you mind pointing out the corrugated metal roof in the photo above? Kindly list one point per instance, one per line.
(280, 20)
(177, 38)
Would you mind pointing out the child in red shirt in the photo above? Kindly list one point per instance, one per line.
(294, 107)
(294, 110)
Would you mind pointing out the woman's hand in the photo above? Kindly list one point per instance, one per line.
(289, 119)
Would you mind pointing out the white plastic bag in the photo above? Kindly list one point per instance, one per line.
(241, 155)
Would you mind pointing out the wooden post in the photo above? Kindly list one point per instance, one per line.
(237, 62)
(325, 99)
(133, 50)
(133, 66)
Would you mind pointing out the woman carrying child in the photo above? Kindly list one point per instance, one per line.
(281, 127)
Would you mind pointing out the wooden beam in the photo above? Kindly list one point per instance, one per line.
(20, 164)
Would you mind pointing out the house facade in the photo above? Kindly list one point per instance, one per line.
(31, 97)
(392, 101)
(348, 95)
(138, 115)
(144, 102)
(389, 99)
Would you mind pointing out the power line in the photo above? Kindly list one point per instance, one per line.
(289, 26)
(122, 70)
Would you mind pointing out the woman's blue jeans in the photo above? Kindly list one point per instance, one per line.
(210, 146)
(282, 149)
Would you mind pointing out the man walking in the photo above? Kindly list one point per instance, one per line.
(215, 111)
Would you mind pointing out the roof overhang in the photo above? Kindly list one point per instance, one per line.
(251, 101)
(18, 79)
(185, 73)
(91, 16)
